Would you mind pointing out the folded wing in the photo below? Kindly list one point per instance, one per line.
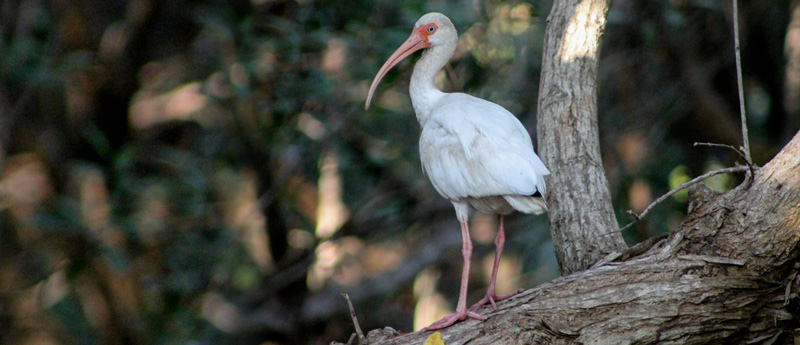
(474, 148)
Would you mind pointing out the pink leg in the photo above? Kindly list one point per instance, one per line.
(490, 296)
(461, 309)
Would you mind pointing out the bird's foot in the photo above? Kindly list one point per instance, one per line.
(491, 298)
(452, 318)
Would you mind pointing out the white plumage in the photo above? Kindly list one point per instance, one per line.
(471, 149)
(475, 153)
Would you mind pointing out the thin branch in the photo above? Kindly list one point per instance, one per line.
(745, 140)
(740, 151)
(683, 186)
(359, 334)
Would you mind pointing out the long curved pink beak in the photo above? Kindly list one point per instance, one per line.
(412, 44)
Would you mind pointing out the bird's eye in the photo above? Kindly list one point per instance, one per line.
(431, 29)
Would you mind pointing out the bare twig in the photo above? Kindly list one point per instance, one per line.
(685, 185)
(740, 151)
(361, 338)
(745, 140)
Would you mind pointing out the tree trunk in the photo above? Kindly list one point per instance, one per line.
(582, 222)
(729, 275)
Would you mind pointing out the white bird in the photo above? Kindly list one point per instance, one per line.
(475, 153)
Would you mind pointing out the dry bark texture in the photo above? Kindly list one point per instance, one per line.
(729, 275)
(582, 221)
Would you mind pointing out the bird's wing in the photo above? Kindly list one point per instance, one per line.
(472, 147)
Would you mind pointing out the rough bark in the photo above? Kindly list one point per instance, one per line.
(729, 275)
(582, 221)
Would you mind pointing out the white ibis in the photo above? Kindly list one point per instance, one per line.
(476, 153)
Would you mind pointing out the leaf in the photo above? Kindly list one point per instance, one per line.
(434, 339)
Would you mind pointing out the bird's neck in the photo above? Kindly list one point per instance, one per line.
(423, 90)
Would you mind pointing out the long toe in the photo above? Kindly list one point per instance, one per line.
(486, 299)
(448, 320)
(491, 298)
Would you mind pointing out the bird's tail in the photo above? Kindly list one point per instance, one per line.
(527, 204)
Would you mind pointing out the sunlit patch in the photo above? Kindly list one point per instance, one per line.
(720, 182)
(224, 315)
(678, 176)
(640, 195)
(431, 305)
(380, 258)
(265, 61)
(578, 40)
(493, 43)
(53, 289)
(483, 228)
(632, 149)
(310, 126)
(336, 260)
(300, 239)
(490, 45)
(93, 196)
(24, 185)
(88, 185)
(304, 196)
(185, 100)
(331, 212)
(349, 271)
(395, 100)
(242, 212)
(218, 86)
(508, 272)
(327, 254)
(95, 306)
(357, 92)
(149, 108)
(26, 303)
(114, 40)
(514, 20)
(334, 57)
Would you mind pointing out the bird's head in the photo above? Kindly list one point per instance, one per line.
(435, 29)
(431, 30)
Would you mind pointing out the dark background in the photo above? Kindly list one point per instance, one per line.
(203, 172)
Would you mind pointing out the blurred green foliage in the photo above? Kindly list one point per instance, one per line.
(203, 172)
